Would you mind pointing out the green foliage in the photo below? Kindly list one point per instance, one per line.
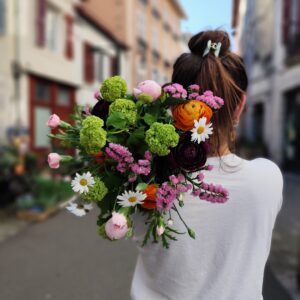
(160, 137)
(46, 193)
(97, 192)
(125, 107)
(113, 88)
(117, 120)
(92, 135)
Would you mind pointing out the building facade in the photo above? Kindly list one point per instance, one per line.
(54, 55)
(151, 29)
(267, 35)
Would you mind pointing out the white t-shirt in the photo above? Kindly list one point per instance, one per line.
(226, 260)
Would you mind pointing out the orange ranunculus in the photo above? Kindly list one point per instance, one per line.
(185, 114)
(150, 201)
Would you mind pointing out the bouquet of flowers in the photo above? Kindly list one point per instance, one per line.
(138, 154)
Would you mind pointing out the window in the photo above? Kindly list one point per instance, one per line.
(41, 115)
(2, 16)
(155, 75)
(141, 70)
(51, 29)
(42, 91)
(155, 37)
(141, 24)
(99, 65)
(64, 96)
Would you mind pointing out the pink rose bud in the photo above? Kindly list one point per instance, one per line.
(115, 232)
(160, 230)
(53, 160)
(97, 95)
(53, 121)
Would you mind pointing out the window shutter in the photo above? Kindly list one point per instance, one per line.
(88, 63)
(2, 16)
(40, 22)
(114, 65)
(286, 20)
(69, 45)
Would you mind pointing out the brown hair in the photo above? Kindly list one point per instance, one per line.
(225, 76)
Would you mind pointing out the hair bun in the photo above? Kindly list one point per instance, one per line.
(198, 42)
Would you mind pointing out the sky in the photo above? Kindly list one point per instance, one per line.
(207, 14)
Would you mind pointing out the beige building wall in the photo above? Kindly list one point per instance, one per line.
(151, 29)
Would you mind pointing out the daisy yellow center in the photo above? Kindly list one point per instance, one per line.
(83, 182)
(200, 129)
(132, 199)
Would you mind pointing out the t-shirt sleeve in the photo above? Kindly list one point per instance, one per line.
(272, 173)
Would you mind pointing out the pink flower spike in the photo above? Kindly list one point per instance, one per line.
(53, 121)
(53, 160)
(148, 155)
(200, 176)
(210, 167)
(180, 177)
(194, 87)
(196, 193)
(173, 179)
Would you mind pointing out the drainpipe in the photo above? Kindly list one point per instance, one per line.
(16, 67)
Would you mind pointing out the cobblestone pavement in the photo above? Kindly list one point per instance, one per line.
(285, 254)
(63, 258)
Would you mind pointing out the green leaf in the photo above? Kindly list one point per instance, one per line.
(149, 119)
(173, 101)
(141, 186)
(136, 137)
(117, 120)
(129, 233)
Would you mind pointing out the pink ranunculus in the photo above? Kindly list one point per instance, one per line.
(115, 232)
(148, 87)
(53, 160)
(53, 121)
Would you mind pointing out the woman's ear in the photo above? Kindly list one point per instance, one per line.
(239, 109)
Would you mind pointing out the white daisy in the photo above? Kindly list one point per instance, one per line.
(81, 183)
(201, 131)
(131, 198)
(79, 209)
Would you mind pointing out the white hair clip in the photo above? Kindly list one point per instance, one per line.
(215, 46)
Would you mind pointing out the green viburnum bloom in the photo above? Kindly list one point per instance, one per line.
(113, 88)
(92, 135)
(145, 98)
(160, 137)
(96, 192)
(126, 107)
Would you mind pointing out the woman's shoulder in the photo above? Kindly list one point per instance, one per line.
(265, 169)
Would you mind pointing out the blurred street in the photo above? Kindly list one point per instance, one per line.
(63, 258)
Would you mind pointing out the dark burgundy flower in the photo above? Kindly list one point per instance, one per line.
(188, 155)
(100, 109)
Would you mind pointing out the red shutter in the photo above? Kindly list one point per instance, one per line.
(88, 63)
(286, 20)
(69, 45)
(40, 22)
(114, 65)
